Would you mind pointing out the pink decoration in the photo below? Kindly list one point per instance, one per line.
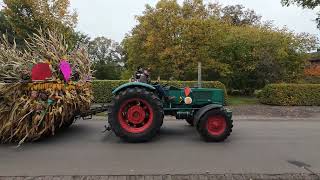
(66, 70)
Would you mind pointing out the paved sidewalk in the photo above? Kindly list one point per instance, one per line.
(265, 111)
(263, 118)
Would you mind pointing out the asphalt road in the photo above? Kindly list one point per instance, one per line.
(254, 147)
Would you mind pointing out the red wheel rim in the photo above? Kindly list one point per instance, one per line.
(135, 115)
(216, 125)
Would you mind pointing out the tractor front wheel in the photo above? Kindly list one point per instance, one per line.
(215, 126)
(136, 115)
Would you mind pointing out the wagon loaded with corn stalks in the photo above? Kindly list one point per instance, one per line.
(47, 86)
(43, 88)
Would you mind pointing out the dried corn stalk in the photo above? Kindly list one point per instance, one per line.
(13, 63)
(32, 110)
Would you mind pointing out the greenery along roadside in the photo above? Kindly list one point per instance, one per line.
(235, 46)
(242, 100)
(291, 95)
(102, 89)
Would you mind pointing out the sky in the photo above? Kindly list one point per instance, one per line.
(115, 18)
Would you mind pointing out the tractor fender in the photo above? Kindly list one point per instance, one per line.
(204, 110)
(131, 85)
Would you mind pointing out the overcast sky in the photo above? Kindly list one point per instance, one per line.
(115, 18)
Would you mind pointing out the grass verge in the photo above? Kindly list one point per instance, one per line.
(242, 100)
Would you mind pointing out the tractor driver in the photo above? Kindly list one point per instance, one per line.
(143, 76)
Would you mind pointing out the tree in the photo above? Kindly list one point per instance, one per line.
(231, 42)
(237, 15)
(81, 39)
(5, 27)
(171, 40)
(108, 58)
(104, 49)
(310, 4)
(26, 17)
(304, 3)
(194, 9)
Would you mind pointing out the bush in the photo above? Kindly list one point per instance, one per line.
(102, 89)
(312, 79)
(257, 93)
(291, 95)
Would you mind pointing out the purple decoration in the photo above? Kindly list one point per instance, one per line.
(66, 70)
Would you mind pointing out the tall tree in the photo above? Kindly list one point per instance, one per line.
(241, 51)
(25, 17)
(172, 39)
(5, 27)
(238, 15)
(108, 58)
(310, 4)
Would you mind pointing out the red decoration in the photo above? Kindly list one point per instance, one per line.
(187, 91)
(41, 72)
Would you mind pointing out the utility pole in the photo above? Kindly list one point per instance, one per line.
(199, 75)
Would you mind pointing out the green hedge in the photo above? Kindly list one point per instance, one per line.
(312, 79)
(291, 95)
(102, 90)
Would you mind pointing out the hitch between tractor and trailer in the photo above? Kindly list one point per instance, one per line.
(94, 110)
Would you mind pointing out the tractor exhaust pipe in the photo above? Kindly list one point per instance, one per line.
(199, 75)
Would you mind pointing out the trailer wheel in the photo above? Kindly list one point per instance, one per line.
(136, 115)
(215, 126)
(69, 123)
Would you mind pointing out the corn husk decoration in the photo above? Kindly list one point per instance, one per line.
(43, 88)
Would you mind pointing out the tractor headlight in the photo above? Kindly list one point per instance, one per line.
(188, 100)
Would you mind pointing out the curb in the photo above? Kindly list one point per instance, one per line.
(262, 118)
(178, 177)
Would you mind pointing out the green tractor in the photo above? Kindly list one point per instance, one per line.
(137, 111)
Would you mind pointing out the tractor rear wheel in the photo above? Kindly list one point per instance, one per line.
(136, 115)
(215, 126)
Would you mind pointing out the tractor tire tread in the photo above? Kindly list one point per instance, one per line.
(201, 127)
(146, 95)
